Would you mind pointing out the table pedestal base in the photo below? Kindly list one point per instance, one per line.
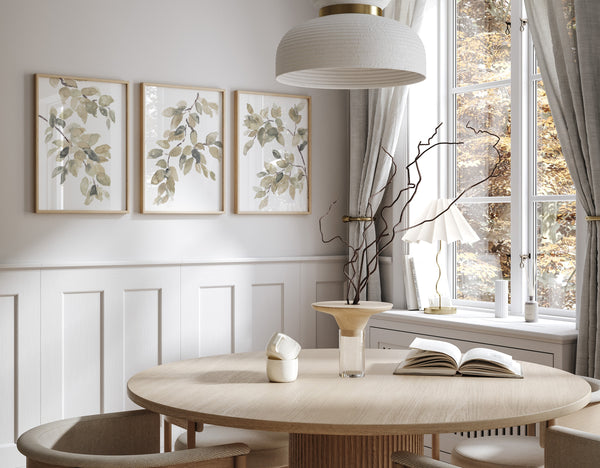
(331, 451)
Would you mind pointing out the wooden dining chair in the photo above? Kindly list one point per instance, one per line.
(571, 447)
(519, 451)
(574, 440)
(267, 449)
(129, 439)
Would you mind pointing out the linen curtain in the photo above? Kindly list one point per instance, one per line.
(569, 59)
(375, 120)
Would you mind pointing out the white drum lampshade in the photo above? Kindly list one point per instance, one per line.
(350, 46)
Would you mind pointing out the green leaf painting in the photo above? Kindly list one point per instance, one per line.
(278, 135)
(79, 152)
(185, 149)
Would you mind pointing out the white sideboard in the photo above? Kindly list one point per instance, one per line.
(549, 342)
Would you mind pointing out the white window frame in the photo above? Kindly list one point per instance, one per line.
(523, 169)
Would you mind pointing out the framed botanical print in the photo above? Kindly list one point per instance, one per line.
(81, 145)
(182, 149)
(272, 146)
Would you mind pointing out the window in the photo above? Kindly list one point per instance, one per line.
(529, 209)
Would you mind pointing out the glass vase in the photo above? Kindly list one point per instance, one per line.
(352, 353)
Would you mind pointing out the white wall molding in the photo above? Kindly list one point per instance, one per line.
(71, 337)
(158, 263)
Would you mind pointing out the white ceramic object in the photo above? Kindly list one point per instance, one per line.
(283, 347)
(531, 310)
(279, 370)
(501, 302)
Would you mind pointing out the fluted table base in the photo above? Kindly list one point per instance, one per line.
(332, 451)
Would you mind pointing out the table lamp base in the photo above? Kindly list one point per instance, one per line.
(440, 310)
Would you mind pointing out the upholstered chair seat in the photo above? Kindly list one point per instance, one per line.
(499, 451)
(267, 449)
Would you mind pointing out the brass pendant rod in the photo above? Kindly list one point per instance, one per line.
(350, 8)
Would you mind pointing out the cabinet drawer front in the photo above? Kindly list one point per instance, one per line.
(395, 339)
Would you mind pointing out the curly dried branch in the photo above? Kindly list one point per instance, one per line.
(360, 266)
(349, 266)
(378, 241)
(495, 172)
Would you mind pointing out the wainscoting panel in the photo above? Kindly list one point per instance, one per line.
(71, 337)
(142, 329)
(209, 295)
(237, 307)
(107, 304)
(320, 282)
(19, 360)
(81, 353)
(267, 312)
(326, 327)
(275, 303)
(8, 371)
(215, 321)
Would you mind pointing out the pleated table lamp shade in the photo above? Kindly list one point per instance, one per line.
(450, 227)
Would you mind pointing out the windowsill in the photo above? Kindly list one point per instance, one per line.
(473, 321)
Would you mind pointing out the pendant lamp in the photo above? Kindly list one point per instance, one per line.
(350, 46)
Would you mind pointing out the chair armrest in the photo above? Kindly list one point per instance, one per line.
(154, 460)
(413, 460)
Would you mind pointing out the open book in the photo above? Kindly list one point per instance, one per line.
(434, 357)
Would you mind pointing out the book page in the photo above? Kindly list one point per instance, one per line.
(404, 368)
(489, 362)
(486, 354)
(438, 346)
(491, 369)
(422, 358)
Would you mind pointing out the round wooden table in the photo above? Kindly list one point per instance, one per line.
(335, 422)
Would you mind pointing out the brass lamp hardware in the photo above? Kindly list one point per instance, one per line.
(350, 8)
(347, 219)
(592, 218)
(439, 310)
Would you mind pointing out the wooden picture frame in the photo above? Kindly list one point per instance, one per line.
(182, 141)
(81, 144)
(273, 150)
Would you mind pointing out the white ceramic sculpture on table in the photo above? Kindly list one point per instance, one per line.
(282, 358)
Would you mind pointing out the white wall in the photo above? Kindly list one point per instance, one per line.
(228, 44)
(103, 296)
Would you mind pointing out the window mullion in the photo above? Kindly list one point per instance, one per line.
(451, 180)
(519, 168)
